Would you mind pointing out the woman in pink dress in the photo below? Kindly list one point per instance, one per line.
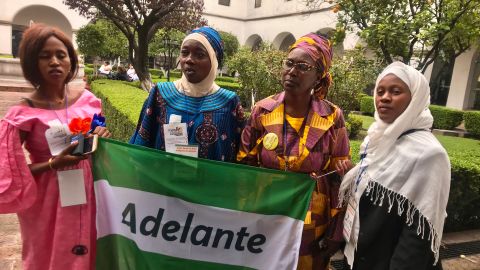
(54, 237)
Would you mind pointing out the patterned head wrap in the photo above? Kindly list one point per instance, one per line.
(214, 39)
(320, 50)
(211, 41)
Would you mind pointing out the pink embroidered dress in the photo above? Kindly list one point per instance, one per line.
(49, 231)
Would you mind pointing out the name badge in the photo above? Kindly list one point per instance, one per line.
(58, 137)
(71, 186)
(349, 217)
(175, 133)
(186, 150)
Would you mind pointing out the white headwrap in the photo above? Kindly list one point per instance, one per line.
(413, 170)
(208, 85)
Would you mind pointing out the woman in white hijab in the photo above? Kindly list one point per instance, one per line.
(212, 116)
(397, 195)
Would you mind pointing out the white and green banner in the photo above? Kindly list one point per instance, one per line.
(157, 210)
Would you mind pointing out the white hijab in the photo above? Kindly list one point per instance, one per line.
(208, 85)
(395, 167)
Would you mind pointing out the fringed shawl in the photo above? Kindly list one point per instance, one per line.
(411, 170)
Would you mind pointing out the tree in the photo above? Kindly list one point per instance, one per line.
(115, 43)
(102, 38)
(167, 43)
(230, 43)
(406, 30)
(259, 71)
(352, 74)
(140, 20)
(90, 40)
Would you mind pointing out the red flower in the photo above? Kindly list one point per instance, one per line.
(79, 125)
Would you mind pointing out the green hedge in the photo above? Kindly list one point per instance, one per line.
(176, 73)
(472, 122)
(88, 65)
(464, 201)
(122, 103)
(445, 118)
(172, 79)
(366, 105)
(354, 125)
(226, 79)
(88, 71)
(228, 85)
(93, 77)
(156, 72)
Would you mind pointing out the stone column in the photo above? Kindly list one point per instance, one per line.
(6, 34)
(461, 86)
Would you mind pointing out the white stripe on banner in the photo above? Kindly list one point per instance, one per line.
(256, 240)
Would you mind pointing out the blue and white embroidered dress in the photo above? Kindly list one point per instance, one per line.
(214, 122)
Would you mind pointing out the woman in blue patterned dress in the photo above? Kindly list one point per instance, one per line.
(213, 115)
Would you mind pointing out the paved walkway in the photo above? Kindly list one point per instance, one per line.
(467, 262)
(470, 262)
(10, 243)
(10, 240)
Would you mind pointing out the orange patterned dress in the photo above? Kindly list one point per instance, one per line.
(312, 145)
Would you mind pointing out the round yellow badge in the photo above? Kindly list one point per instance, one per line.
(270, 141)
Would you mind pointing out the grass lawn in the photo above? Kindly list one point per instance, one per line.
(123, 95)
(156, 80)
(228, 85)
(468, 150)
(367, 120)
(128, 100)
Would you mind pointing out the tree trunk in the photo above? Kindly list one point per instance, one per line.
(131, 45)
(253, 99)
(141, 61)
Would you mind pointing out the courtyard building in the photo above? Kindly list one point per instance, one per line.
(455, 84)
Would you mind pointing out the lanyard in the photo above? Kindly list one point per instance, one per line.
(301, 130)
(362, 169)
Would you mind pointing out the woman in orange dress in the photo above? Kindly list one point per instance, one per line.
(299, 130)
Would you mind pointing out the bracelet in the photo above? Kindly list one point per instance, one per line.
(50, 163)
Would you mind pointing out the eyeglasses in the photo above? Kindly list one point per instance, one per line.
(303, 67)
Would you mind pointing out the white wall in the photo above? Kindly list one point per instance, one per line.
(462, 78)
(237, 9)
(6, 41)
(277, 19)
(20, 12)
(9, 8)
(273, 18)
(277, 7)
(235, 27)
(43, 14)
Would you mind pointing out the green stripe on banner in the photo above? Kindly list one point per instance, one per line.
(202, 181)
(130, 257)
